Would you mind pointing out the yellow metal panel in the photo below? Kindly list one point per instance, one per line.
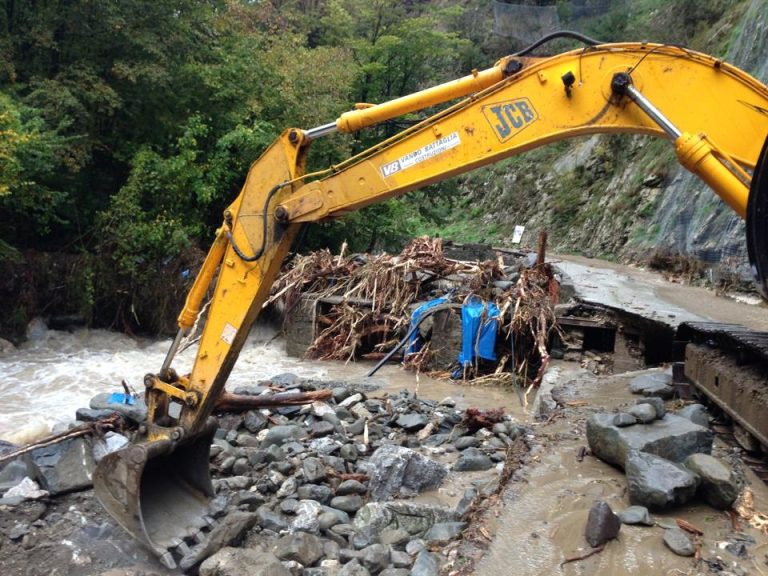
(696, 92)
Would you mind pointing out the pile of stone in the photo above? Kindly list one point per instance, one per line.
(328, 488)
(666, 457)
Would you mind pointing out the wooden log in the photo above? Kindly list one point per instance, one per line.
(240, 402)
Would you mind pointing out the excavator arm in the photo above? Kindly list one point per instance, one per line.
(715, 115)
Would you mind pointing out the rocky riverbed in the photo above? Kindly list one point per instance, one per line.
(374, 482)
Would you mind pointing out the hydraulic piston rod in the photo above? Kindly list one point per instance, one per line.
(695, 152)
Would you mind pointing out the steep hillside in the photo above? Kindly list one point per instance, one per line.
(622, 197)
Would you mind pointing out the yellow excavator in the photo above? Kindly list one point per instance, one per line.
(714, 114)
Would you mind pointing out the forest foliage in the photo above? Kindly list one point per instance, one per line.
(127, 126)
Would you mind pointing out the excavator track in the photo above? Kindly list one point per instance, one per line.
(728, 364)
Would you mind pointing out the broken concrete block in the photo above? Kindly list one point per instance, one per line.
(719, 485)
(673, 438)
(63, 467)
(658, 483)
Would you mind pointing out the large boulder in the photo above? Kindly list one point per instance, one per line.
(671, 437)
(132, 408)
(64, 466)
(243, 562)
(304, 548)
(395, 469)
(658, 483)
(719, 484)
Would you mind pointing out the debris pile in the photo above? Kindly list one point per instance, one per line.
(325, 486)
(373, 297)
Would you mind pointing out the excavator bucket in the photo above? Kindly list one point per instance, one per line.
(159, 492)
(757, 222)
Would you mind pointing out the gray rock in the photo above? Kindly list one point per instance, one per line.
(255, 421)
(288, 487)
(225, 531)
(658, 483)
(136, 411)
(645, 413)
(644, 382)
(442, 532)
(314, 470)
(394, 468)
(349, 453)
(349, 503)
(306, 549)
(623, 419)
(89, 415)
(416, 519)
(400, 559)
(279, 434)
(274, 453)
(374, 557)
(353, 568)
(656, 402)
(673, 438)
(63, 467)
(110, 442)
(322, 428)
(243, 562)
(464, 442)
(351, 487)
(318, 492)
(412, 422)
(307, 513)
(395, 537)
(12, 473)
(696, 413)
(636, 515)
(472, 459)
(466, 501)
(415, 546)
(289, 505)
(327, 520)
(602, 524)
(425, 565)
(271, 520)
(719, 484)
(325, 445)
(679, 542)
(395, 572)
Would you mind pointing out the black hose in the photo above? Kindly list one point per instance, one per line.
(408, 336)
(554, 36)
(265, 226)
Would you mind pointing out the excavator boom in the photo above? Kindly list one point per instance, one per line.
(715, 115)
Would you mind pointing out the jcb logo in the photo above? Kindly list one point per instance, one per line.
(509, 118)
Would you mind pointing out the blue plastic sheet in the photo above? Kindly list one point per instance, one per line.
(120, 398)
(477, 315)
(416, 343)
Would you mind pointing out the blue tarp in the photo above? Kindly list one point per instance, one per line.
(120, 398)
(416, 343)
(478, 315)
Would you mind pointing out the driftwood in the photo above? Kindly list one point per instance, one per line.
(228, 402)
(583, 556)
(98, 427)
(390, 285)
